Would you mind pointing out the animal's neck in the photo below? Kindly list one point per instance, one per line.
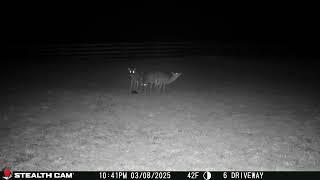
(172, 78)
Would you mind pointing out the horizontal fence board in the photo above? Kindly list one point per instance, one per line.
(114, 50)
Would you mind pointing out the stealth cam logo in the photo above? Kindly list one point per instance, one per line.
(7, 173)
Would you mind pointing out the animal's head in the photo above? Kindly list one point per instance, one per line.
(132, 71)
(175, 75)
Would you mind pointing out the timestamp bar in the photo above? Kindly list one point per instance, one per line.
(210, 175)
(165, 175)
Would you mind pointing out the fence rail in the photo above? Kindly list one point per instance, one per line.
(121, 50)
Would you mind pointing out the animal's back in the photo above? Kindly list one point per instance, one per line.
(156, 77)
(163, 77)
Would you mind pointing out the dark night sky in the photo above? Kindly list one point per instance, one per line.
(187, 24)
(294, 29)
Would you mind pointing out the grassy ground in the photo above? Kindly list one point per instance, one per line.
(214, 117)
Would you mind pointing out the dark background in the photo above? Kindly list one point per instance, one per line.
(258, 30)
(279, 38)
